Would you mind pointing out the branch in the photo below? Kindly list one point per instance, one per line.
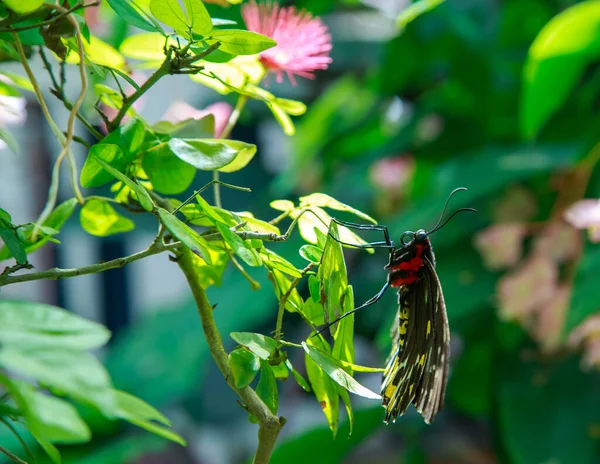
(269, 424)
(12, 456)
(169, 66)
(56, 273)
(51, 20)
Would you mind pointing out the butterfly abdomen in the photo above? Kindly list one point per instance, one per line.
(406, 267)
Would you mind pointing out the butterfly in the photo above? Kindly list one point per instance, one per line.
(417, 368)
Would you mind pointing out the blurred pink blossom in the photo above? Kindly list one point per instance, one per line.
(551, 318)
(585, 214)
(393, 173)
(559, 241)
(180, 111)
(303, 42)
(587, 335)
(518, 204)
(501, 245)
(522, 292)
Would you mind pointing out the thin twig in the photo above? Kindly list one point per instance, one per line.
(12, 456)
(51, 20)
(16, 434)
(284, 298)
(57, 273)
(231, 122)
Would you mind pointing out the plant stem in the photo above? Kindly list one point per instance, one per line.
(284, 298)
(57, 273)
(16, 434)
(231, 122)
(269, 424)
(11, 456)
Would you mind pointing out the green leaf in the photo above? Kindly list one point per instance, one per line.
(273, 261)
(141, 193)
(74, 373)
(334, 370)
(245, 153)
(208, 154)
(32, 325)
(92, 173)
(125, 9)
(325, 201)
(212, 274)
(99, 218)
(299, 379)
(55, 221)
(318, 218)
(146, 47)
(46, 416)
(261, 345)
(166, 171)
(281, 285)
(412, 12)
(170, 13)
(143, 415)
(240, 247)
(324, 388)
(266, 388)
(333, 277)
(257, 225)
(212, 213)
(188, 236)
(13, 244)
(311, 253)
(129, 138)
(23, 6)
(343, 345)
(197, 216)
(240, 42)
(346, 399)
(586, 290)
(282, 205)
(10, 141)
(198, 18)
(244, 366)
(48, 447)
(555, 62)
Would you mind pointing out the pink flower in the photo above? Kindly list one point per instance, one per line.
(180, 111)
(585, 214)
(587, 334)
(12, 113)
(524, 291)
(559, 241)
(303, 42)
(393, 173)
(501, 245)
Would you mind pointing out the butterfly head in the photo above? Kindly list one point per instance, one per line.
(409, 237)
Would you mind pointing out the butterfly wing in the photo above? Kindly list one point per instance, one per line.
(417, 369)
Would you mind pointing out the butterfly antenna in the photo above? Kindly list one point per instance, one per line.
(451, 216)
(446, 206)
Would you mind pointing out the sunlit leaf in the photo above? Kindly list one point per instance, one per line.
(273, 261)
(556, 60)
(198, 18)
(23, 6)
(325, 201)
(337, 373)
(143, 415)
(167, 172)
(141, 193)
(31, 325)
(324, 388)
(413, 11)
(266, 388)
(98, 217)
(240, 247)
(127, 11)
(244, 366)
(146, 47)
(188, 236)
(240, 42)
(299, 379)
(261, 345)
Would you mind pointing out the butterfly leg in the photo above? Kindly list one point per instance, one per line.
(369, 302)
(387, 243)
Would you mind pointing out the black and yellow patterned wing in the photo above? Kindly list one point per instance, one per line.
(417, 369)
